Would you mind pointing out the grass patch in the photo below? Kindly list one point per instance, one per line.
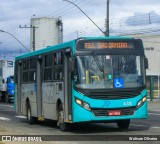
(2, 142)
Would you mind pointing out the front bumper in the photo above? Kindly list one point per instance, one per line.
(82, 115)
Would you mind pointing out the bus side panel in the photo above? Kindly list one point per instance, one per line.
(51, 92)
(15, 98)
(18, 97)
(28, 91)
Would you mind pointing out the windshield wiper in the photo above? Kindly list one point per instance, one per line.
(97, 61)
(121, 64)
(100, 66)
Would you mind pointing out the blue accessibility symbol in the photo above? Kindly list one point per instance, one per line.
(118, 83)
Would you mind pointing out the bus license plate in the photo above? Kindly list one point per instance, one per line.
(114, 112)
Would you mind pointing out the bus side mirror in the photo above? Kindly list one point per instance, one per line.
(74, 76)
(146, 63)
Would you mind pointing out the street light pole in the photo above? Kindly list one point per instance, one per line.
(86, 16)
(15, 39)
(158, 71)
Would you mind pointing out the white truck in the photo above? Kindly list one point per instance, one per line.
(6, 80)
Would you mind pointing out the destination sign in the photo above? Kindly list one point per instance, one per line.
(103, 45)
(109, 44)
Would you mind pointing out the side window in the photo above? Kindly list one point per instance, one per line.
(48, 64)
(58, 66)
(29, 70)
(25, 70)
(32, 70)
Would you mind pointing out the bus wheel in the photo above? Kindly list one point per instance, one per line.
(30, 119)
(123, 124)
(61, 123)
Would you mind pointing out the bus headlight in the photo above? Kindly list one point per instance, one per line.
(141, 102)
(82, 104)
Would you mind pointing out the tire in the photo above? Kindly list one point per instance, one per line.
(62, 125)
(123, 124)
(30, 118)
(2, 97)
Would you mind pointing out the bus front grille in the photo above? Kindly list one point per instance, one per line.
(113, 95)
(105, 112)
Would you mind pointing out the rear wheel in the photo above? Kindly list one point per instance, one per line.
(62, 125)
(123, 124)
(30, 118)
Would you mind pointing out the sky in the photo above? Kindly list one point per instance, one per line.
(126, 16)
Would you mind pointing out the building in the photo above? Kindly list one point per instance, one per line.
(45, 32)
(152, 51)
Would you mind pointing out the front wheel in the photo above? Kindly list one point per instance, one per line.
(123, 124)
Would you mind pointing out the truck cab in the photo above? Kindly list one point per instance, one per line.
(10, 89)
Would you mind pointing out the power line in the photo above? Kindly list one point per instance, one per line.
(15, 39)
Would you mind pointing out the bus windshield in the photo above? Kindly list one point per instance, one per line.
(109, 71)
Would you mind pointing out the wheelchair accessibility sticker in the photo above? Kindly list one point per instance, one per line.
(118, 83)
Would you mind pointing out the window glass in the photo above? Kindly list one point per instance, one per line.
(25, 76)
(109, 71)
(47, 74)
(58, 75)
(58, 58)
(33, 63)
(32, 75)
(48, 60)
(58, 66)
(26, 65)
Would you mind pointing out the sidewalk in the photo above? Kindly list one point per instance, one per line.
(154, 106)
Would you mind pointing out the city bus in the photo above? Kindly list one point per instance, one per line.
(89, 79)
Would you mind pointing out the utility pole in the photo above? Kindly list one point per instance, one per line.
(85, 15)
(34, 30)
(106, 32)
(60, 34)
(107, 19)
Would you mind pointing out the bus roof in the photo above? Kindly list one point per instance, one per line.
(70, 44)
(47, 49)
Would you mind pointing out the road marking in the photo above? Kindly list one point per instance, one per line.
(6, 110)
(155, 127)
(21, 116)
(138, 125)
(153, 114)
(5, 119)
(8, 105)
(145, 126)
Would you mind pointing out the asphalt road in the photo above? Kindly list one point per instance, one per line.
(11, 123)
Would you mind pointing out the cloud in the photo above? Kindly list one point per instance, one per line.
(19, 12)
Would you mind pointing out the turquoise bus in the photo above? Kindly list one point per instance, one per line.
(90, 79)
